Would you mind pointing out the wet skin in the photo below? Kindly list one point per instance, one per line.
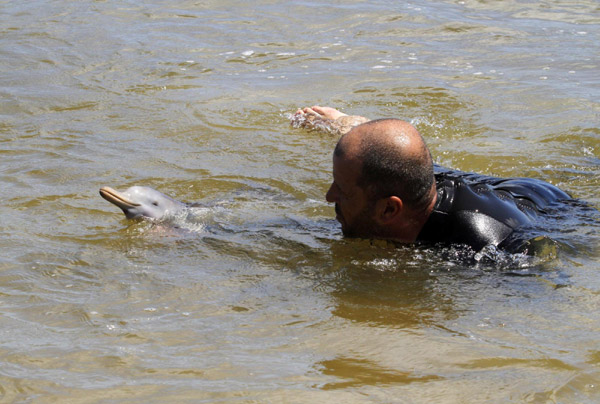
(142, 202)
(351, 202)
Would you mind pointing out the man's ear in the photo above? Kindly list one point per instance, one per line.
(388, 209)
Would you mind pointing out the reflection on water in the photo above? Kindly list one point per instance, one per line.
(261, 299)
(357, 373)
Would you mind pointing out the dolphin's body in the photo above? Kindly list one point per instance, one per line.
(143, 202)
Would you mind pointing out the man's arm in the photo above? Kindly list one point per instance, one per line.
(326, 119)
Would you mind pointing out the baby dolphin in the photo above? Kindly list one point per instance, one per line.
(143, 202)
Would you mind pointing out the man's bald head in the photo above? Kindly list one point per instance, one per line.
(394, 159)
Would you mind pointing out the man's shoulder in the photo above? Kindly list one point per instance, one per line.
(468, 227)
(478, 210)
(540, 193)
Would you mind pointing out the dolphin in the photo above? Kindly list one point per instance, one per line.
(143, 202)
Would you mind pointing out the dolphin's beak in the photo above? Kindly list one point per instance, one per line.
(117, 198)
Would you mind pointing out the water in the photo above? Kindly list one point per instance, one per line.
(267, 302)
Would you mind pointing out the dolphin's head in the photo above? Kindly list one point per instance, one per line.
(139, 202)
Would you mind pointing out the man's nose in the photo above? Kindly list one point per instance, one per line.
(331, 195)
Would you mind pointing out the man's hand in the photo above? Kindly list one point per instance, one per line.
(325, 112)
(326, 119)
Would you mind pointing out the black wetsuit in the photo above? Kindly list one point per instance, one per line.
(478, 210)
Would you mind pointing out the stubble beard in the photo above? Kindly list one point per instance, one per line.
(363, 225)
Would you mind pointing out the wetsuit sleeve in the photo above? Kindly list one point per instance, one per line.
(478, 229)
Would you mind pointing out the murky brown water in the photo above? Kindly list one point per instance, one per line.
(262, 300)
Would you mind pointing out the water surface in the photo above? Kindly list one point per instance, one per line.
(267, 302)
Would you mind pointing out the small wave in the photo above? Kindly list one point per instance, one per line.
(494, 257)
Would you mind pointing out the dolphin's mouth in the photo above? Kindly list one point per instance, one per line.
(117, 198)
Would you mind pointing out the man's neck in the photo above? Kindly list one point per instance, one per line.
(412, 226)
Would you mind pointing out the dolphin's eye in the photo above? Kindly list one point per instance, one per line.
(155, 203)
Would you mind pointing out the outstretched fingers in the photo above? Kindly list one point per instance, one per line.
(326, 112)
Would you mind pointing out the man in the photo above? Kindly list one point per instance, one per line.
(385, 186)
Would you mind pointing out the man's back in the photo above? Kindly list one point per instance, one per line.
(479, 210)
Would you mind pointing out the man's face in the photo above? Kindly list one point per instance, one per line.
(352, 206)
